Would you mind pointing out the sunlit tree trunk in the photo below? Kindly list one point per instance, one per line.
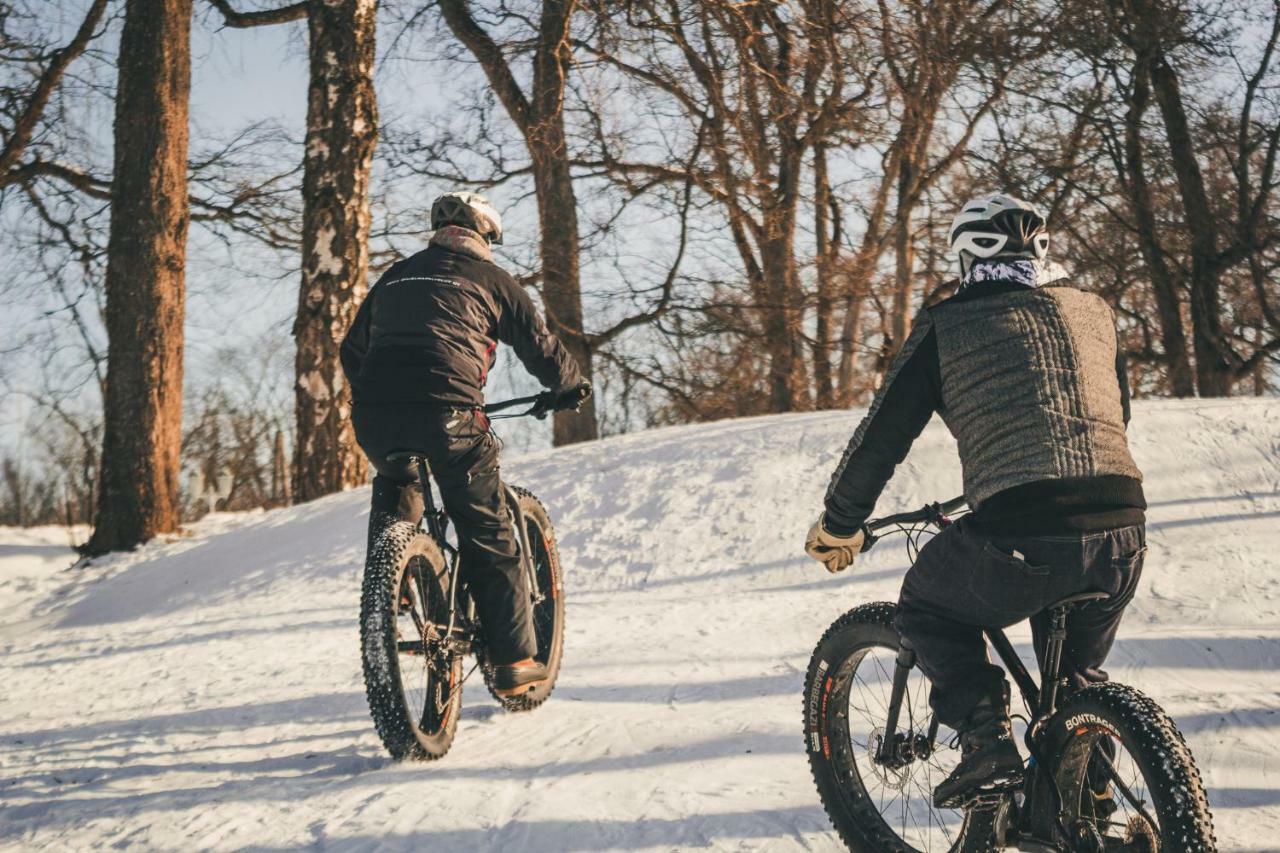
(145, 284)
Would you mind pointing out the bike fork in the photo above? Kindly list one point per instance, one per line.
(901, 671)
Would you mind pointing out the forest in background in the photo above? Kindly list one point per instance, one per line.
(730, 208)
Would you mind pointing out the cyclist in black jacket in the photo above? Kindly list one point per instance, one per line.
(417, 357)
(1028, 376)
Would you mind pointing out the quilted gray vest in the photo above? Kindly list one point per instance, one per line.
(1029, 388)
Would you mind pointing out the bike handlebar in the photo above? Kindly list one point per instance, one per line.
(540, 405)
(490, 408)
(934, 513)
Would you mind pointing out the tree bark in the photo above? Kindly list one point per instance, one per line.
(145, 286)
(826, 246)
(904, 259)
(561, 292)
(342, 130)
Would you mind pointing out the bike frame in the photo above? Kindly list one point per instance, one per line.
(1039, 818)
(436, 521)
(1029, 823)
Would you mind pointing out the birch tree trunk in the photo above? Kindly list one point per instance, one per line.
(145, 286)
(342, 130)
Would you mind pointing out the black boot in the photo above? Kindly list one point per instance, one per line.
(989, 759)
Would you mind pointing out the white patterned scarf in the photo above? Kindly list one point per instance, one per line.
(1024, 271)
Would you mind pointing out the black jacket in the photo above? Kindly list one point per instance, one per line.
(427, 332)
(1032, 384)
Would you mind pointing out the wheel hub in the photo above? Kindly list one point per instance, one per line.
(893, 773)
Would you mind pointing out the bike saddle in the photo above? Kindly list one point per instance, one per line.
(1078, 600)
(397, 455)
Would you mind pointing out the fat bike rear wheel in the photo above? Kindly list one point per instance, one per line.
(872, 805)
(413, 684)
(1128, 781)
(548, 606)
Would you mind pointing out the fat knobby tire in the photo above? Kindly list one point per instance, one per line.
(844, 797)
(392, 553)
(533, 511)
(1153, 741)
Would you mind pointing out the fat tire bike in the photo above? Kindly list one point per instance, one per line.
(876, 751)
(418, 621)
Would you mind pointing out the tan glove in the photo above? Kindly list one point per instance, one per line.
(834, 552)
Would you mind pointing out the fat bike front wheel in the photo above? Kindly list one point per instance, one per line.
(413, 683)
(873, 805)
(548, 606)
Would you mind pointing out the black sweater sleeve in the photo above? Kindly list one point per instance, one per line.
(911, 393)
(541, 352)
(356, 344)
(1122, 375)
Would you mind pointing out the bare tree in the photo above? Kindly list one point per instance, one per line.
(539, 115)
(759, 85)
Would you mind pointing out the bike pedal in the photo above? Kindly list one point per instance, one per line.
(985, 800)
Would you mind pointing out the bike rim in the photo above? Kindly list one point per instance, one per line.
(426, 682)
(903, 796)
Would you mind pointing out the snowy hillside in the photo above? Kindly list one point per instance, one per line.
(205, 693)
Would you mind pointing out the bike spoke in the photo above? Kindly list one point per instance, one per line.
(1134, 800)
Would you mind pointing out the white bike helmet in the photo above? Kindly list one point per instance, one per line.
(470, 210)
(998, 225)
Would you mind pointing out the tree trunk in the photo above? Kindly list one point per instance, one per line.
(824, 248)
(859, 281)
(781, 325)
(904, 261)
(1216, 361)
(561, 292)
(145, 285)
(540, 119)
(342, 130)
(1173, 337)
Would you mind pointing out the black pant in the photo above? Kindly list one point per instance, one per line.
(463, 455)
(964, 581)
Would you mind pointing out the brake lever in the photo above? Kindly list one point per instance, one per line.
(543, 407)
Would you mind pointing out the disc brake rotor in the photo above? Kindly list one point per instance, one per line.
(894, 780)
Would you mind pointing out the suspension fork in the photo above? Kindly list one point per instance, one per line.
(901, 672)
(522, 534)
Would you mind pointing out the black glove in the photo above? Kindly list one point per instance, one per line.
(572, 398)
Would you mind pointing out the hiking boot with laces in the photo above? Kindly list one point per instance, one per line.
(989, 761)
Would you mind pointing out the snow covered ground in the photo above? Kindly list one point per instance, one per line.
(205, 692)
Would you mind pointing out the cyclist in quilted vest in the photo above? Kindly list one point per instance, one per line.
(1027, 374)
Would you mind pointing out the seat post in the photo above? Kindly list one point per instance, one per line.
(431, 515)
(1053, 659)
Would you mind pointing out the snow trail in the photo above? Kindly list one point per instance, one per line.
(205, 692)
